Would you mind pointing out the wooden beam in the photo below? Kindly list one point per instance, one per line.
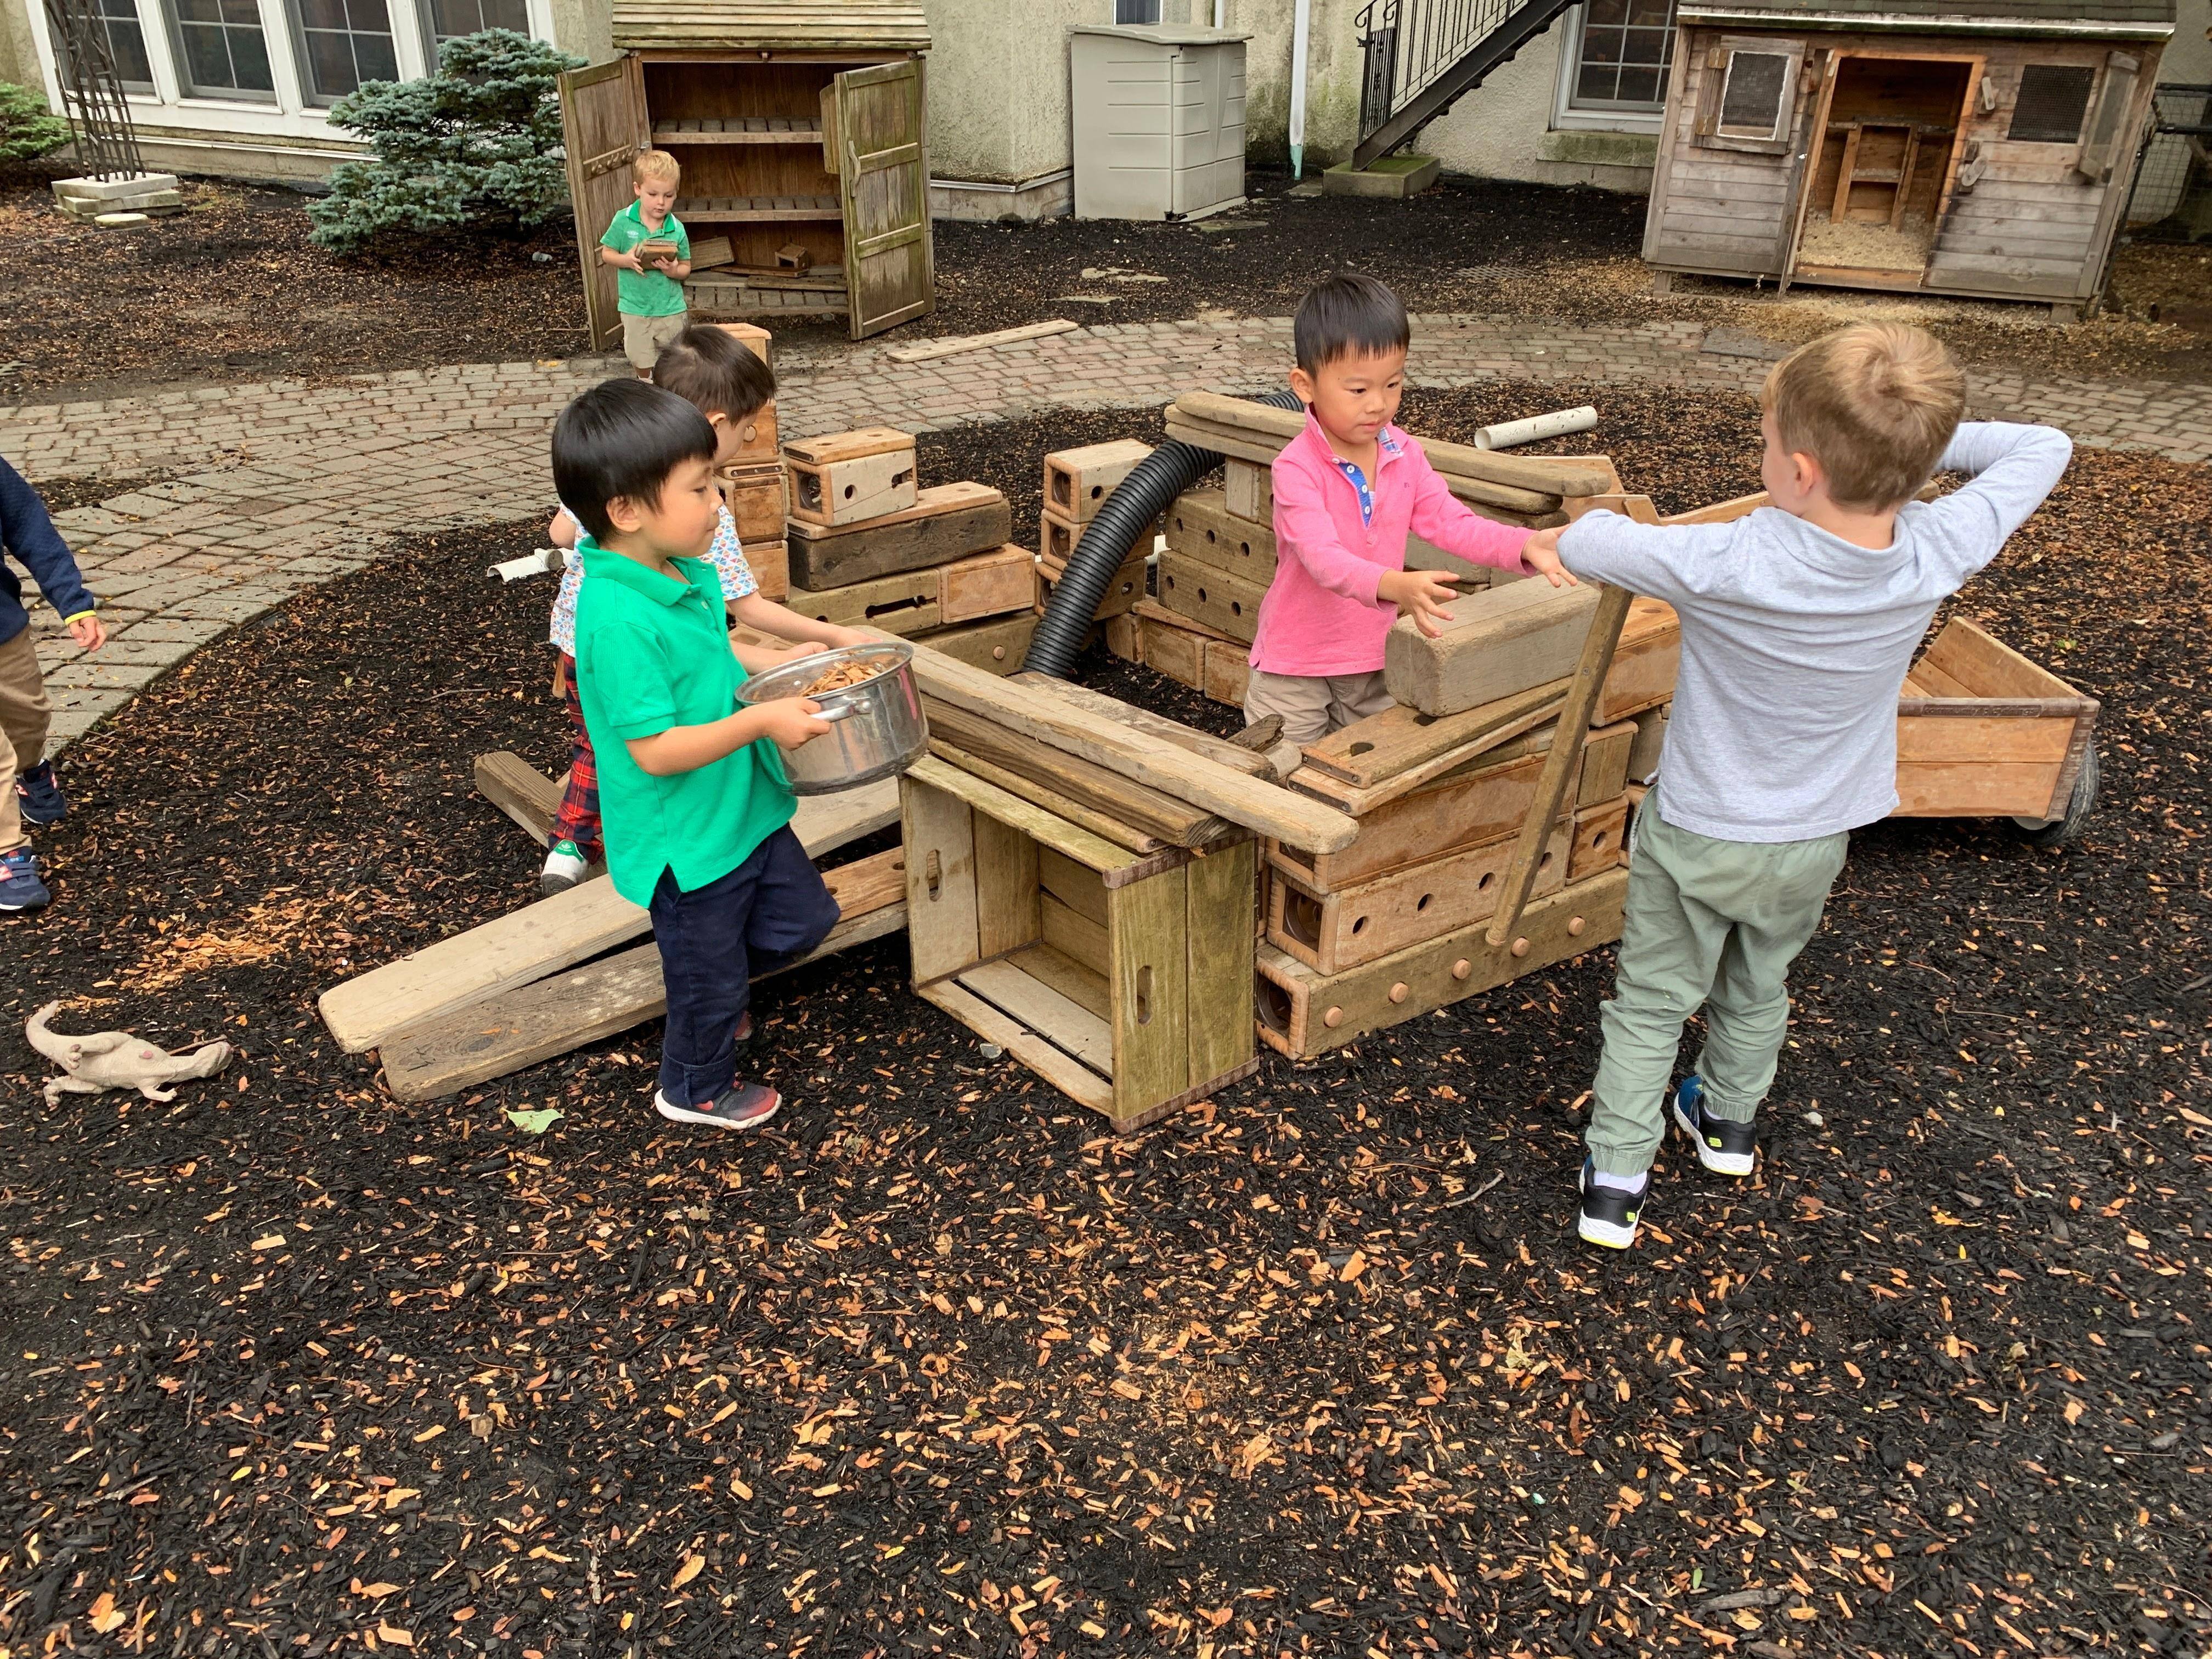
(946, 522)
(929, 350)
(520, 790)
(1040, 795)
(1217, 749)
(1493, 644)
(1375, 749)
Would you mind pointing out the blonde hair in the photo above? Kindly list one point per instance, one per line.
(655, 164)
(1875, 403)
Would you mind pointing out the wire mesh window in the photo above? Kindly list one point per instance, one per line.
(2172, 199)
(1626, 48)
(126, 42)
(343, 43)
(2053, 99)
(222, 50)
(448, 20)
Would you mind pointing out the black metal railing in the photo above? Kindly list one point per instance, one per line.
(1422, 54)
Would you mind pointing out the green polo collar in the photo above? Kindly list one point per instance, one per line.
(621, 567)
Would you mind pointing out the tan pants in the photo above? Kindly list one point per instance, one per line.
(1312, 707)
(644, 339)
(24, 712)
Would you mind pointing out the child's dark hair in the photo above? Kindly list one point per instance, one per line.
(714, 372)
(1347, 314)
(623, 438)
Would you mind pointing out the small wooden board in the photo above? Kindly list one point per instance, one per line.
(1249, 490)
(946, 522)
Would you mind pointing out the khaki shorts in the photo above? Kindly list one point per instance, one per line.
(1312, 707)
(644, 339)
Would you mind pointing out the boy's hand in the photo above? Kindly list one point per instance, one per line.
(791, 722)
(1541, 553)
(89, 632)
(1421, 594)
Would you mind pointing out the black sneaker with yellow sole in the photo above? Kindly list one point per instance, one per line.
(1608, 1215)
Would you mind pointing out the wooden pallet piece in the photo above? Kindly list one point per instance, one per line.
(1122, 592)
(946, 522)
(1533, 509)
(1228, 604)
(1385, 745)
(770, 563)
(1493, 644)
(1476, 753)
(1334, 932)
(754, 493)
(1601, 838)
(1448, 817)
(541, 938)
(1249, 490)
(501, 1035)
(1134, 752)
(1303, 1012)
(1039, 795)
(917, 601)
(1077, 482)
(997, 645)
(844, 477)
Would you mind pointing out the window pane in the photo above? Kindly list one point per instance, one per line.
(373, 59)
(345, 42)
(506, 14)
(330, 64)
(249, 58)
(1627, 49)
(322, 14)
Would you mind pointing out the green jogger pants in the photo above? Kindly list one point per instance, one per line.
(1709, 923)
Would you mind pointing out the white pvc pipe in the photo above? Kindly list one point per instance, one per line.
(1557, 424)
(542, 562)
(1301, 28)
(1221, 13)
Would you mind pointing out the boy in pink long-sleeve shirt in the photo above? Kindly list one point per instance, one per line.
(1349, 490)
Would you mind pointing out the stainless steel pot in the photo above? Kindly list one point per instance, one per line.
(877, 726)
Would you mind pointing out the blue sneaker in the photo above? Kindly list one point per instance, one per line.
(20, 886)
(38, 795)
(1608, 1215)
(1724, 1147)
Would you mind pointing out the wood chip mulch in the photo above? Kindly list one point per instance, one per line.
(935, 1366)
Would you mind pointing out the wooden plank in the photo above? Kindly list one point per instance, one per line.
(996, 646)
(1080, 845)
(1219, 890)
(1230, 604)
(1304, 1013)
(1006, 887)
(1070, 933)
(1077, 482)
(1967, 789)
(946, 522)
(1148, 810)
(930, 351)
(1448, 817)
(1066, 1074)
(1061, 1020)
(1600, 834)
(520, 790)
(1230, 441)
(1148, 974)
(1739, 507)
(1989, 666)
(1220, 750)
(918, 601)
(1968, 739)
(1493, 644)
(1134, 752)
(987, 585)
(1074, 885)
(1372, 751)
(939, 833)
(1079, 983)
(502, 1035)
(1927, 679)
(1037, 795)
(541, 938)
(1645, 662)
(1362, 801)
(1605, 763)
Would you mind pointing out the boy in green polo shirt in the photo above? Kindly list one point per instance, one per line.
(649, 297)
(694, 805)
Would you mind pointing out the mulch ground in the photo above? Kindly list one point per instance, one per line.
(231, 290)
(933, 1366)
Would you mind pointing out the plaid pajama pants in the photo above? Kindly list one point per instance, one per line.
(578, 820)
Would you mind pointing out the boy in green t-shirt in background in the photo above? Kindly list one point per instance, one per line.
(649, 294)
(694, 805)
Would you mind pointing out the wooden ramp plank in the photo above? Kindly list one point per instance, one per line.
(543, 939)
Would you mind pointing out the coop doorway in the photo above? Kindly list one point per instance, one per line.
(1882, 170)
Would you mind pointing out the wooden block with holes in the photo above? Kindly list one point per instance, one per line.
(1303, 1012)
(1190, 653)
(1200, 528)
(846, 477)
(1447, 817)
(1122, 979)
(1121, 594)
(756, 439)
(998, 644)
(1077, 482)
(754, 493)
(751, 335)
(1057, 538)
(915, 601)
(1331, 932)
(1601, 838)
(1249, 489)
(946, 522)
(770, 563)
(1227, 604)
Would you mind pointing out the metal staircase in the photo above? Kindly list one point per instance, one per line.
(1422, 55)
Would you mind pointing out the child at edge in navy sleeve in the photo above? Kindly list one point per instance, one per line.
(696, 809)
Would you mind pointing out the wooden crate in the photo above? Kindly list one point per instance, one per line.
(1122, 979)
(917, 601)
(1332, 932)
(754, 493)
(1303, 1012)
(1228, 604)
(1981, 732)
(1077, 482)
(1121, 594)
(770, 563)
(845, 477)
(946, 522)
(1249, 490)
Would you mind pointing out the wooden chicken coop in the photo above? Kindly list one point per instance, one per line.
(1980, 147)
(800, 130)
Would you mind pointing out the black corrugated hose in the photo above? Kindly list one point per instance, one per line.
(1129, 513)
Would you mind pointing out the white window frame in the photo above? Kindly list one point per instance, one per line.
(1565, 116)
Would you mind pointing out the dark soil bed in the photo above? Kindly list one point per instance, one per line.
(933, 1366)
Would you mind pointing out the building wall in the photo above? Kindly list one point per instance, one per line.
(2188, 58)
(19, 55)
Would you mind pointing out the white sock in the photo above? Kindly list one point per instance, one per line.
(1631, 1185)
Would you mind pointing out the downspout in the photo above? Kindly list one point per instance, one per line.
(1301, 28)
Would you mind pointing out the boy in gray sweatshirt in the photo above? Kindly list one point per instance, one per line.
(1798, 624)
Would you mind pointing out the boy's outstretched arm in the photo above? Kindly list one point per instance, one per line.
(1442, 518)
(27, 530)
(758, 611)
(1661, 562)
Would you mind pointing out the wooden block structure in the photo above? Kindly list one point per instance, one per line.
(1077, 482)
(946, 522)
(1123, 590)
(1123, 979)
(754, 493)
(918, 601)
(1249, 490)
(846, 477)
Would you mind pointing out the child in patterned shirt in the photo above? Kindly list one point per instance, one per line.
(711, 370)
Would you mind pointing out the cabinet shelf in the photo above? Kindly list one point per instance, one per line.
(755, 210)
(739, 129)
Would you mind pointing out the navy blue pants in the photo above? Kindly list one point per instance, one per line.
(768, 912)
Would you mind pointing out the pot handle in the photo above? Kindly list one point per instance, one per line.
(843, 711)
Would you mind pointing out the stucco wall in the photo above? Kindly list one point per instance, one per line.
(584, 27)
(2189, 55)
(998, 86)
(19, 61)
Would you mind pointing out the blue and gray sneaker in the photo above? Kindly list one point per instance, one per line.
(38, 795)
(20, 886)
(1608, 1211)
(1724, 1147)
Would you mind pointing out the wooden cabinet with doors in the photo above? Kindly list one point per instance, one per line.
(800, 131)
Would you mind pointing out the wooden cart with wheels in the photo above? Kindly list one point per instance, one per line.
(1983, 732)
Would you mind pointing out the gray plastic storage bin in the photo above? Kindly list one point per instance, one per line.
(1159, 120)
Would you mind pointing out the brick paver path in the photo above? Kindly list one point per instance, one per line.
(278, 485)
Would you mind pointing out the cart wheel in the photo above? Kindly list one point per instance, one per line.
(2063, 831)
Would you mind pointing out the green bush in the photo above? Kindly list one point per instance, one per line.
(27, 129)
(476, 144)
